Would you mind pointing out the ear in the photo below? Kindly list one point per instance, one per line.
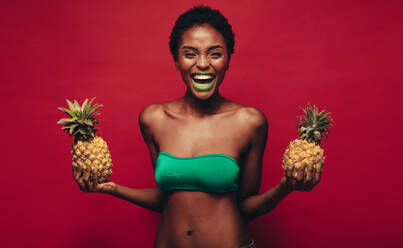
(176, 65)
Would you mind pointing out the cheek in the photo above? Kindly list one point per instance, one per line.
(184, 65)
(180, 66)
(220, 66)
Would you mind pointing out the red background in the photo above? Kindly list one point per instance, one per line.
(345, 56)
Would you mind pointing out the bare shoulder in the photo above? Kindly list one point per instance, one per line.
(152, 113)
(253, 117)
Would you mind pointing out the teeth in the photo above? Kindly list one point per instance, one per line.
(198, 76)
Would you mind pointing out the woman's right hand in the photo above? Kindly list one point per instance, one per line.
(87, 181)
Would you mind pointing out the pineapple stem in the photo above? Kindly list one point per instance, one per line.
(313, 125)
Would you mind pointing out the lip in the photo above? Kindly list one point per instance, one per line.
(205, 87)
(202, 73)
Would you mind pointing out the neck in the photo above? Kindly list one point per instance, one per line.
(194, 106)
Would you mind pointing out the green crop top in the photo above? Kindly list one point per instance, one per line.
(207, 173)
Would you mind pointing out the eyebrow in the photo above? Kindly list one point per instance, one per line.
(211, 48)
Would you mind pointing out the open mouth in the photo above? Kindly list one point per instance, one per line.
(202, 78)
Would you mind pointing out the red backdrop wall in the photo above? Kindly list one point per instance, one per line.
(344, 56)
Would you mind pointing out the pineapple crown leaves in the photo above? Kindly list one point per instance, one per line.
(82, 119)
(314, 124)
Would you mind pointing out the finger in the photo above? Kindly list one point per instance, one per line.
(82, 186)
(309, 174)
(299, 177)
(290, 176)
(95, 179)
(80, 172)
(85, 177)
(76, 173)
(293, 179)
(300, 173)
(288, 172)
(82, 179)
(79, 179)
(318, 176)
(90, 184)
(310, 183)
(91, 180)
(86, 173)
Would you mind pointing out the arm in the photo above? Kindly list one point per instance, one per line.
(250, 203)
(149, 198)
(253, 205)
(258, 205)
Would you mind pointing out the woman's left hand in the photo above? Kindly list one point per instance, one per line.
(303, 181)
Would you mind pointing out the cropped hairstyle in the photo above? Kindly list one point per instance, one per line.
(198, 16)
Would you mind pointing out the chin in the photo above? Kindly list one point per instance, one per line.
(203, 95)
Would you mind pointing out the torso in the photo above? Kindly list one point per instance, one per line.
(192, 218)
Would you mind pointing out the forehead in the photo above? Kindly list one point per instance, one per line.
(202, 36)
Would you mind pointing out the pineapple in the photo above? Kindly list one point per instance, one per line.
(88, 150)
(305, 151)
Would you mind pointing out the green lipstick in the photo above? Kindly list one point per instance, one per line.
(205, 86)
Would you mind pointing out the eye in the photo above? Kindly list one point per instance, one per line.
(189, 55)
(216, 55)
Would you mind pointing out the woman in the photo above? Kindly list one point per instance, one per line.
(206, 150)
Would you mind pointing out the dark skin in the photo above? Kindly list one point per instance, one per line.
(204, 122)
(303, 182)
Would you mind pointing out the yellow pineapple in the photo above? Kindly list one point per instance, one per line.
(305, 151)
(88, 149)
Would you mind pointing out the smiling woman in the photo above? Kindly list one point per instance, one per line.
(202, 60)
(206, 150)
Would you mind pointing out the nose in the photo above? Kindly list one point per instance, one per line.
(202, 62)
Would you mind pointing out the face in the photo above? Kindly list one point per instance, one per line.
(202, 60)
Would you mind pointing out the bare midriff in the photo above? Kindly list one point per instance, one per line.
(193, 219)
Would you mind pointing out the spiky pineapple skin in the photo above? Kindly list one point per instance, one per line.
(93, 152)
(303, 153)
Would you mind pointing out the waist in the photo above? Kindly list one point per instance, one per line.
(188, 206)
(216, 221)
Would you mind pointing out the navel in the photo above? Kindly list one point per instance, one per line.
(189, 233)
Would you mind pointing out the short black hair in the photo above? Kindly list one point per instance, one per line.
(198, 16)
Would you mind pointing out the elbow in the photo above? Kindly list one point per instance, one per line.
(248, 206)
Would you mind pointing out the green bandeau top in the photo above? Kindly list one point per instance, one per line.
(208, 173)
